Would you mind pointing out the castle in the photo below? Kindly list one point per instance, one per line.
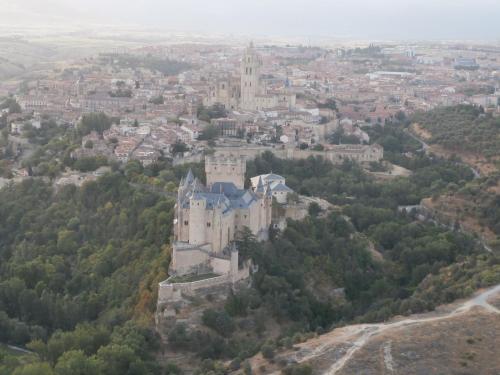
(207, 221)
(249, 92)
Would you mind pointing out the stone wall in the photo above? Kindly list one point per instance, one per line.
(225, 169)
(359, 153)
(187, 260)
(170, 292)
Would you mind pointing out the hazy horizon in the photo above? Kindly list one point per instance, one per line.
(375, 19)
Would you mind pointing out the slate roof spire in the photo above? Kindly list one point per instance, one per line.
(189, 177)
(260, 186)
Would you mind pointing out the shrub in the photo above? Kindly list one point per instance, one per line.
(219, 321)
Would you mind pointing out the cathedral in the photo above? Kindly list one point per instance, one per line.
(249, 92)
(207, 218)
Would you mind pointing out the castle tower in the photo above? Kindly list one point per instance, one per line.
(225, 169)
(251, 64)
(197, 220)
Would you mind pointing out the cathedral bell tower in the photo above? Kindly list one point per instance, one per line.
(251, 64)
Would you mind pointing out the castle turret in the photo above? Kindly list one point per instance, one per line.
(197, 220)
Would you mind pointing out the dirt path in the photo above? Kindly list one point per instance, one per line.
(353, 338)
(480, 300)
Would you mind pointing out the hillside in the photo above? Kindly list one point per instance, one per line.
(320, 273)
(78, 273)
(80, 266)
(463, 131)
(459, 338)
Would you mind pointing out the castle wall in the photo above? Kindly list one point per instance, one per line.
(359, 153)
(243, 218)
(227, 230)
(221, 230)
(183, 260)
(234, 266)
(173, 292)
(225, 170)
(281, 196)
(220, 266)
(168, 292)
(197, 221)
(181, 229)
(255, 217)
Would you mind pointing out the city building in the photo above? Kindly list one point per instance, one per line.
(251, 94)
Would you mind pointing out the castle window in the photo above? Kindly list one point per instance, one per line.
(209, 225)
(186, 222)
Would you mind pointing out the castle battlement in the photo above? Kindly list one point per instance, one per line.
(226, 169)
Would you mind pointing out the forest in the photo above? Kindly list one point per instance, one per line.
(79, 267)
(78, 275)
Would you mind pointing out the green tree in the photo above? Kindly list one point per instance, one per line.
(34, 369)
(75, 362)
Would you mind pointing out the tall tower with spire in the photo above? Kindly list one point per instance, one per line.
(251, 64)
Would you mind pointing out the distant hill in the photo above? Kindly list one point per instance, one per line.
(463, 130)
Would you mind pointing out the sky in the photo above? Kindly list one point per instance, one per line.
(367, 19)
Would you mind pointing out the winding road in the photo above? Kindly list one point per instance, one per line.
(425, 148)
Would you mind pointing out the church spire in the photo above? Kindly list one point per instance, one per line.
(189, 177)
(260, 186)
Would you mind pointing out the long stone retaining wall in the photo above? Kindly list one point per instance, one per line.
(169, 292)
(339, 153)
